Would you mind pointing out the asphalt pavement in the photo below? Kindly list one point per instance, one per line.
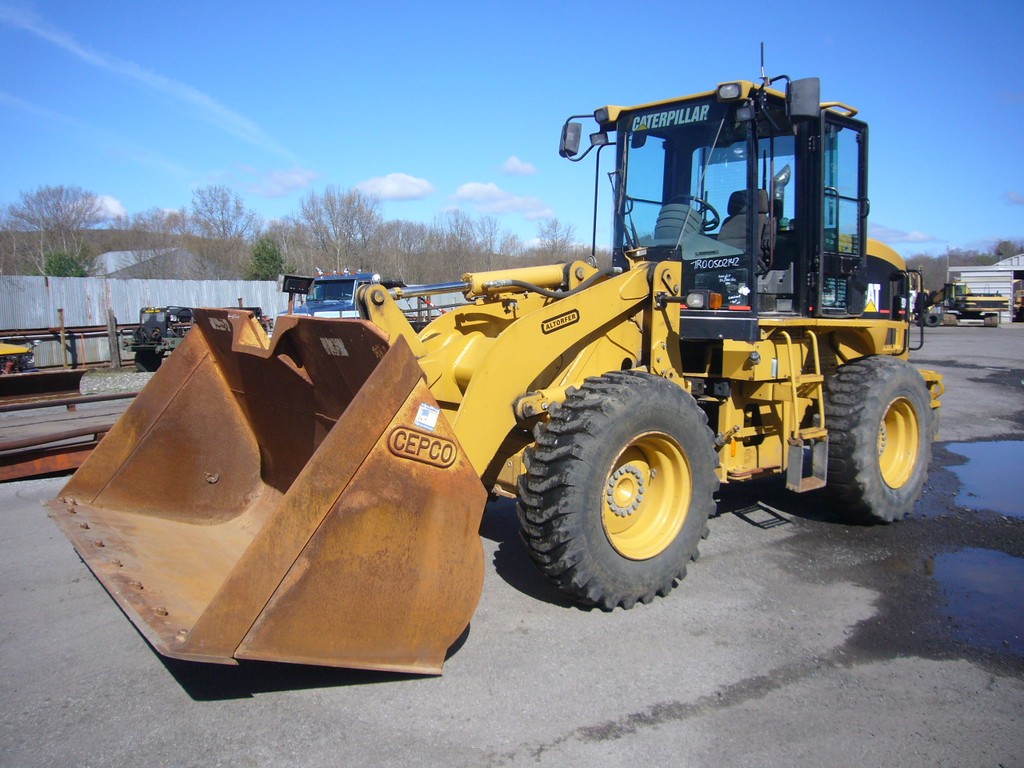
(793, 641)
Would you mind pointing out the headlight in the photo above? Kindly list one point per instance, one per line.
(729, 91)
(703, 300)
(697, 299)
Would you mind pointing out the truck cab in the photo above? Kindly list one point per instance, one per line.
(333, 294)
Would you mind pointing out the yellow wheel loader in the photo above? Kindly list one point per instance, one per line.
(327, 485)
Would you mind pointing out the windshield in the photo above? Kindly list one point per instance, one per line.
(686, 193)
(682, 163)
(333, 290)
(698, 186)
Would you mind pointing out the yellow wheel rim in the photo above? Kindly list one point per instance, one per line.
(898, 440)
(646, 497)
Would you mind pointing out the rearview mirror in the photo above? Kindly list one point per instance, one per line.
(803, 99)
(569, 146)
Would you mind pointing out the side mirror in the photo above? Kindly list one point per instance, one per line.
(569, 146)
(296, 284)
(803, 99)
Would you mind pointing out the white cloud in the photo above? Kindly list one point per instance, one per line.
(891, 235)
(516, 167)
(205, 107)
(476, 191)
(490, 198)
(396, 186)
(111, 207)
(1015, 197)
(280, 183)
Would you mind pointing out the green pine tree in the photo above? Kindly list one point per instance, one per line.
(267, 262)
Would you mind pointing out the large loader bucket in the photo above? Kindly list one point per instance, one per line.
(300, 500)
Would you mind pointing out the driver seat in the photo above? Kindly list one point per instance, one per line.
(734, 228)
(672, 219)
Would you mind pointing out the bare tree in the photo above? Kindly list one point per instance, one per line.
(342, 226)
(458, 248)
(219, 213)
(54, 219)
(511, 247)
(488, 238)
(401, 248)
(333, 229)
(223, 227)
(557, 241)
(15, 247)
(297, 248)
(453, 244)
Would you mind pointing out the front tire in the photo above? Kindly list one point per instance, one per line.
(618, 489)
(878, 414)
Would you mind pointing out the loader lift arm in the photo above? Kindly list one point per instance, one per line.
(616, 323)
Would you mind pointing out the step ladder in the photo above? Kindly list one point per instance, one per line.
(807, 454)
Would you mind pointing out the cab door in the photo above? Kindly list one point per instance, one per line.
(842, 213)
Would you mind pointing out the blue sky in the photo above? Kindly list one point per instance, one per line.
(432, 106)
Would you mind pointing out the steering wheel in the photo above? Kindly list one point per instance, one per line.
(709, 218)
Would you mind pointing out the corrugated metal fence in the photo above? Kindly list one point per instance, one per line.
(30, 303)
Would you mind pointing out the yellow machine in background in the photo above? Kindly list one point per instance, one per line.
(329, 483)
(15, 358)
(956, 301)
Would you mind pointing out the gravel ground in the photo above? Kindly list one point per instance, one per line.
(113, 380)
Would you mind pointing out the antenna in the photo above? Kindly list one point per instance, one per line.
(764, 77)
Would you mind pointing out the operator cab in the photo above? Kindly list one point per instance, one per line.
(761, 194)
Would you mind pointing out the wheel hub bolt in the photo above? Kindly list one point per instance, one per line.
(629, 474)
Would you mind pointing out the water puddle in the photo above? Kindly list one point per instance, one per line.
(984, 597)
(992, 477)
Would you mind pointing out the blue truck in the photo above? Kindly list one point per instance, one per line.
(332, 294)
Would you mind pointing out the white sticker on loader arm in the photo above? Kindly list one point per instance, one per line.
(334, 347)
(426, 417)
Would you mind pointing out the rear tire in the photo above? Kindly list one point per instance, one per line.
(618, 489)
(932, 320)
(878, 414)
